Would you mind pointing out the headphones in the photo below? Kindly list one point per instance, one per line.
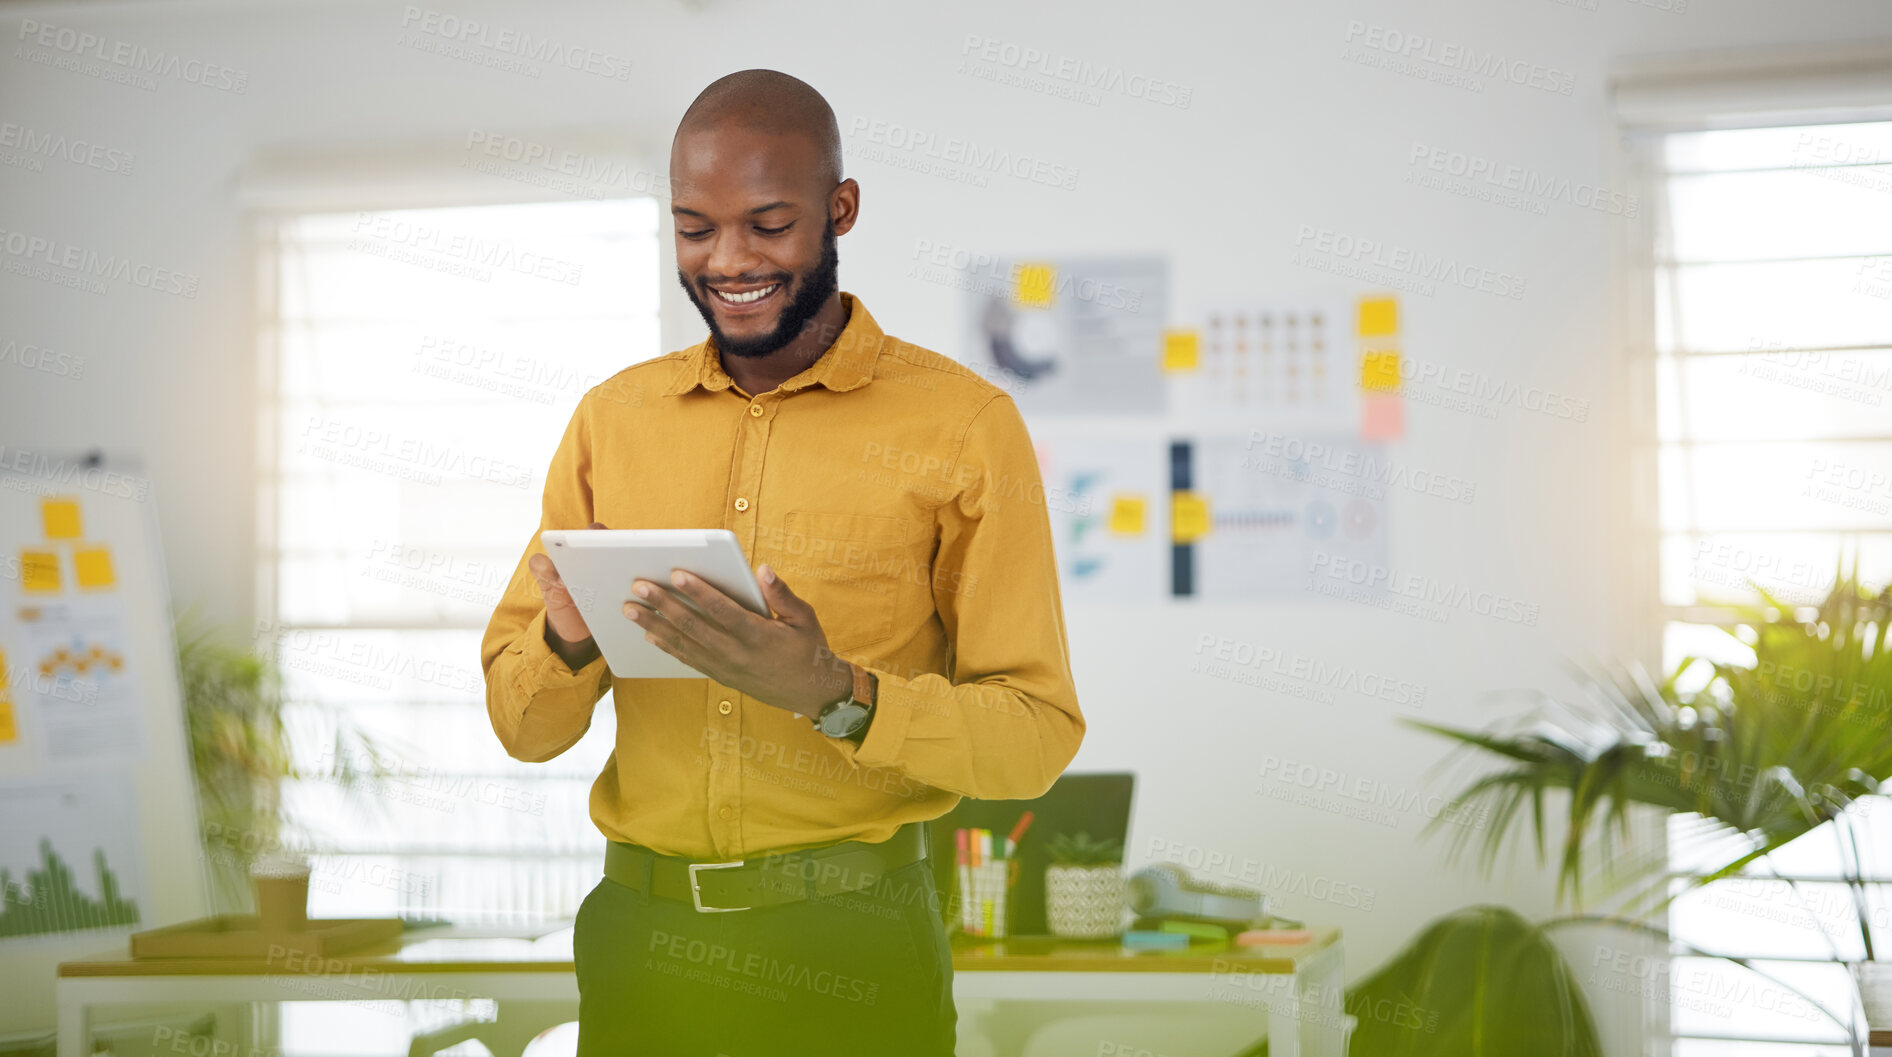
(1167, 890)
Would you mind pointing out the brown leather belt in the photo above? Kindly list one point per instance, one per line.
(771, 880)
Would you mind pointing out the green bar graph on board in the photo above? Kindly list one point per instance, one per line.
(47, 901)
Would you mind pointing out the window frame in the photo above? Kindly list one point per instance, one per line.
(1653, 99)
(425, 181)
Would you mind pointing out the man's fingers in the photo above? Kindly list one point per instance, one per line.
(787, 604)
(672, 609)
(542, 567)
(721, 610)
(667, 640)
(672, 640)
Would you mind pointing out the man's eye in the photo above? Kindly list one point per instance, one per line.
(694, 234)
(775, 231)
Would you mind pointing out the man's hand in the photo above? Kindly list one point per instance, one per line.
(565, 629)
(783, 661)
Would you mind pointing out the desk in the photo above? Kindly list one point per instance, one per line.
(1293, 991)
(523, 976)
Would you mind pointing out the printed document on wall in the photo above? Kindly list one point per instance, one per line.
(1282, 506)
(76, 656)
(1109, 515)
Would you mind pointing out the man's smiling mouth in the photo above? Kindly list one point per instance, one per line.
(745, 297)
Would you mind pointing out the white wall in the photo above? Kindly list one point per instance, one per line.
(1281, 131)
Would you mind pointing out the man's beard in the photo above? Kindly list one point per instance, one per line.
(815, 288)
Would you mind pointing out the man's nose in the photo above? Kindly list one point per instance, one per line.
(732, 258)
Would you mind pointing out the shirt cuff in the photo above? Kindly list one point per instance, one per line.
(887, 733)
(542, 669)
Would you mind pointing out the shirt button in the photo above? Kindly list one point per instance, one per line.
(724, 707)
(755, 410)
(742, 503)
(724, 813)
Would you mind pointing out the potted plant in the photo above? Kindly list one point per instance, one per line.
(240, 757)
(1758, 755)
(1084, 887)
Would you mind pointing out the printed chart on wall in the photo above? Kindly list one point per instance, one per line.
(1074, 336)
(1258, 513)
(69, 857)
(79, 660)
(95, 778)
(1106, 498)
(1291, 365)
(75, 687)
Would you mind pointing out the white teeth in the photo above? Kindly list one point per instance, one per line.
(753, 295)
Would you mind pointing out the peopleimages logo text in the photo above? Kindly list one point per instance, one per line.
(132, 57)
(1525, 181)
(1415, 263)
(474, 33)
(1420, 48)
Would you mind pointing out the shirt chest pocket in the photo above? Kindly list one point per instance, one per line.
(854, 569)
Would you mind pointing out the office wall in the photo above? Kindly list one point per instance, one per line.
(1293, 121)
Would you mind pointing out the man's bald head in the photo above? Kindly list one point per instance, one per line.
(773, 103)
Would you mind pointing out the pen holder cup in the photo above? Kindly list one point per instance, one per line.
(982, 905)
(282, 894)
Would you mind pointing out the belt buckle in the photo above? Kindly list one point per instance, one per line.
(696, 893)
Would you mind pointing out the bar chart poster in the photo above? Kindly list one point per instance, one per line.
(1271, 509)
(69, 857)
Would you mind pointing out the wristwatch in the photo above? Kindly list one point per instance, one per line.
(849, 715)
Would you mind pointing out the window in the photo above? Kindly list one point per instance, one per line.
(1773, 448)
(418, 369)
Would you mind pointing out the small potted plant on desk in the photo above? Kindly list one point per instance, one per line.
(1084, 887)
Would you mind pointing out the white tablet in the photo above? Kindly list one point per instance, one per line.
(599, 566)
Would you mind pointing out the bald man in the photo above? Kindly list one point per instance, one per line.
(767, 888)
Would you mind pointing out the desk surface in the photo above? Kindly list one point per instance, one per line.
(1048, 954)
(438, 951)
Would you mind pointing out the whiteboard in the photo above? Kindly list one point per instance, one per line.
(95, 773)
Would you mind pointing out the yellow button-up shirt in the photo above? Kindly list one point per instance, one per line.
(896, 492)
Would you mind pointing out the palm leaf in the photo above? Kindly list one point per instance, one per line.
(1763, 752)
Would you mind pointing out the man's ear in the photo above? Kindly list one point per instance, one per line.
(844, 206)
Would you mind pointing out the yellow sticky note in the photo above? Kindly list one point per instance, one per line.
(1379, 370)
(1035, 284)
(1188, 516)
(1126, 515)
(60, 518)
(1378, 316)
(1180, 350)
(95, 567)
(39, 570)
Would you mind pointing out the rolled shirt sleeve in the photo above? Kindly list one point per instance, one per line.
(539, 707)
(1007, 723)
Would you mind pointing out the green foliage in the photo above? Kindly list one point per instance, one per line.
(241, 755)
(239, 751)
(1080, 849)
(1480, 982)
(1760, 755)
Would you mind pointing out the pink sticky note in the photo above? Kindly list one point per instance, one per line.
(1382, 416)
(1265, 937)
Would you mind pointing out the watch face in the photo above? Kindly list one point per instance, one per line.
(843, 719)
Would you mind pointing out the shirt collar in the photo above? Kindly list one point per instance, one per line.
(846, 364)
